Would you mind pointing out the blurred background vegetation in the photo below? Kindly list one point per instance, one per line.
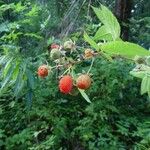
(62, 17)
(117, 119)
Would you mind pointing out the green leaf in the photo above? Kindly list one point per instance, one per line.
(12, 104)
(8, 77)
(33, 35)
(145, 85)
(19, 83)
(103, 34)
(138, 74)
(85, 96)
(33, 12)
(7, 66)
(29, 97)
(1, 111)
(109, 20)
(90, 41)
(125, 49)
(30, 78)
(3, 59)
(4, 27)
(5, 7)
(15, 72)
(94, 45)
(19, 7)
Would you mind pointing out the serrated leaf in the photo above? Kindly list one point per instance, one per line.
(90, 41)
(19, 83)
(33, 35)
(125, 49)
(19, 7)
(145, 85)
(109, 20)
(5, 7)
(7, 66)
(103, 34)
(85, 96)
(94, 45)
(138, 74)
(8, 77)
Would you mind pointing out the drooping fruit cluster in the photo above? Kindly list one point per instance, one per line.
(65, 57)
(43, 71)
(66, 83)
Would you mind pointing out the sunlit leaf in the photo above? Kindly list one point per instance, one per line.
(90, 41)
(103, 34)
(125, 49)
(145, 85)
(138, 74)
(109, 21)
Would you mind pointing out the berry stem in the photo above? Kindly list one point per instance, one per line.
(68, 70)
(57, 66)
(91, 66)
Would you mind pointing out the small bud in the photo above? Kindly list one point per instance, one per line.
(88, 53)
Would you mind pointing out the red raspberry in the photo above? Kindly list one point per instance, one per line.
(55, 46)
(66, 84)
(43, 71)
(83, 82)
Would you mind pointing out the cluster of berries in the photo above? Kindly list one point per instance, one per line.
(67, 83)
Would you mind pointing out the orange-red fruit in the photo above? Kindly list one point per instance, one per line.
(43, 71)
(83, 81)
(66, 84)
(55, 46)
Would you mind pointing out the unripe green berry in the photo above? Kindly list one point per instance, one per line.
(55, 54)
(69, 45)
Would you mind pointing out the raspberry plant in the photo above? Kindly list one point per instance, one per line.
(17, 72)
(106, 42)
(117, 118)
